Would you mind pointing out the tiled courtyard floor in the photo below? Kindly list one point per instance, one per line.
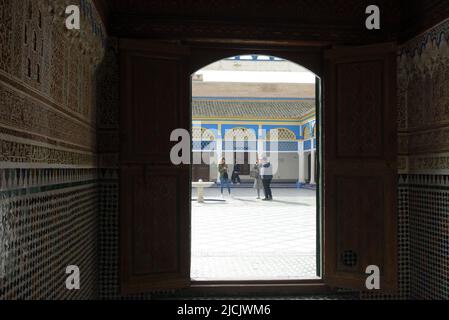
(244, 238)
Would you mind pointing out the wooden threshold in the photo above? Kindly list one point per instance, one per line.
(239, 288)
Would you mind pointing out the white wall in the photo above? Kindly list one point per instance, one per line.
(288, 166)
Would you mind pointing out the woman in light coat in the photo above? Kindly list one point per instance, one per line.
(257, 178)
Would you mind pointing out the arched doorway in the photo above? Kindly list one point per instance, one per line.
(259, 108)
(360, 177)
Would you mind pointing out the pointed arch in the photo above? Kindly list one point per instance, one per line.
(281, 134)
(306, 133)
(240, 134)
(203, 134)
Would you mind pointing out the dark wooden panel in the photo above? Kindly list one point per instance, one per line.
(155, 105)
(155, 214)
(361, 234)
(155, 250)
(154, 194)
(360, 175)
(359, 104)
(155, 91)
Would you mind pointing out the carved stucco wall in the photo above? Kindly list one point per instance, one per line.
(424, 160)
(424, 102)
(48, 174)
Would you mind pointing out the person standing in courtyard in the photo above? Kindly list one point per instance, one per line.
(266, 172)
(255, 173)
(224, 177)
(235, 177)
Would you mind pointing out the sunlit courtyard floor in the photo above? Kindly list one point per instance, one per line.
(243, 238)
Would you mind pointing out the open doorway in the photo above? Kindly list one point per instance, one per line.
(358, 211)
(254, 121)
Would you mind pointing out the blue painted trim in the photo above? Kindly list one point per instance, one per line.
(227, 127)
(436, 34)
(209, 126)
(205, 145)
(239, 146)
(310, 125)
(281, 146)
(227, 120)
(307, 145)
(254, 58)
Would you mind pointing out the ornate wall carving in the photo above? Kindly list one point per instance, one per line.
(423, 79)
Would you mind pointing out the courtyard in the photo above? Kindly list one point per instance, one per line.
(244, 238)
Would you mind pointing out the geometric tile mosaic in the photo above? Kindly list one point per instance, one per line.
(109, 237)
(429, 236)
(45, 228)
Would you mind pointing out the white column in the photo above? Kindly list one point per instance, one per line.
(218, 152)
(301, 161)
(260, 146)
(312, 165)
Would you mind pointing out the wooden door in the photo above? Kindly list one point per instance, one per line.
(360, 172)
(154, 193)
(242, 159)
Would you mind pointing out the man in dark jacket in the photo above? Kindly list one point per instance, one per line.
(266, 173)
(235, 177)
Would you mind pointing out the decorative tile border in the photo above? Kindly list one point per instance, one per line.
(429, 242)
(436, 140)
(437, 164)
(44, 229)
(19, 181)
(20, 111)
(21, 152)
(436, 35)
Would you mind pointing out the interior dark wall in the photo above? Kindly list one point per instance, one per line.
(417, 16)
(337, 21)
